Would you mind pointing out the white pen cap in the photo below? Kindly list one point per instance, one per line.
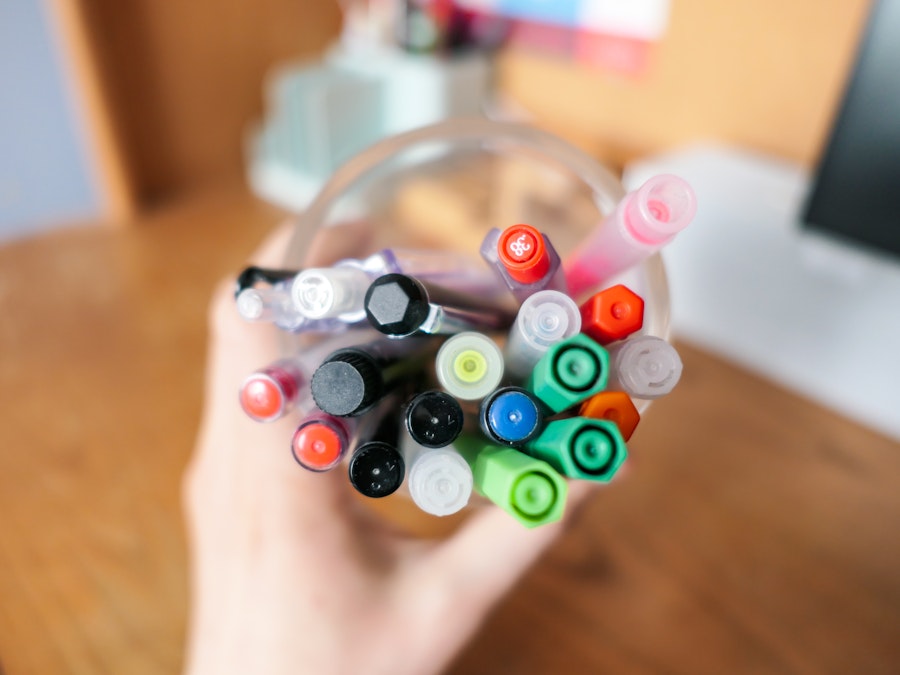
(469, 366)
(644, 366)
(325, 292)
(544, 319)
(440, 481)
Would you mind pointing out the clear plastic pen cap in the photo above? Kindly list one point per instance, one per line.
(645, 367)
(660, 209)
(326, 292)
(440, 481)
(469, 366)
(544, 319)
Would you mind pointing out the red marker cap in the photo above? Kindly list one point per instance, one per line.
(317, 446)
(522, 251)
(269, 393)
(612, 314)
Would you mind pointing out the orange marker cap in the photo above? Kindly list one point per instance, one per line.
(612, 314)
(522, 251)
(615, 406)
(317, 446)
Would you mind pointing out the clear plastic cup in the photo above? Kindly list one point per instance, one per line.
(445, 186)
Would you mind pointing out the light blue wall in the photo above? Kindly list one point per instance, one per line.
(44, 171)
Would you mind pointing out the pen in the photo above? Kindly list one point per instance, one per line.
(469, 366)
(529, 489)
(580, 447)
(440, 480)
(511, 416)
(615, 406)
(612, 314)
(376, 467)
(643, 222)
(271, 392)
(433, 419)
(545, 318)
(524, 259)
(571, 371)
(351, 380)
(399, 305)
(264, 295)
(644, 367)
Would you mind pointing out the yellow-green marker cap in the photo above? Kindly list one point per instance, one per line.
(469, 366)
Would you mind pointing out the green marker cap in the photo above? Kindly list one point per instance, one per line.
(571, 371)
(581, 447)
(527, 488)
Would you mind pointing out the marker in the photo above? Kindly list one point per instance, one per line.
(511, 416)
(580, 447)
(571, 371)
(321, 441)
(615, 406)
(271, 392)
(376, 467)
(440, 480)
(351, 380)
(643, 222)
(524, 259)
(529, 489)
(645, 367)
(612, 314)
(399, 305)
(544, 319)
(433, 419)
(469, 366)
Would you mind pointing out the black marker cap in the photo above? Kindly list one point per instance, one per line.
(348, 383)
(376, 469)
(396, 304)
(434, 419)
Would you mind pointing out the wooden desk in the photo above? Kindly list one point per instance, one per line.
(755, 532)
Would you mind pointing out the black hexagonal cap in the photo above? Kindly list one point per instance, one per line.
(396, 304)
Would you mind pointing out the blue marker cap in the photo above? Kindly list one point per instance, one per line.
(511, 416)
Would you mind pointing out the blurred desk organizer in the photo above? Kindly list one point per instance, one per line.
(322, 113)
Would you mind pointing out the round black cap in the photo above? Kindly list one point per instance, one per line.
(348, 383)
(376, 469)
(396, 304)
(434, 419)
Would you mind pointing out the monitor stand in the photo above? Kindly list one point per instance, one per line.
(811, 313)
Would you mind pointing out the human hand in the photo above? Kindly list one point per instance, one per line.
(289, 574)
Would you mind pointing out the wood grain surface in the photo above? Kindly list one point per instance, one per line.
(754, 531)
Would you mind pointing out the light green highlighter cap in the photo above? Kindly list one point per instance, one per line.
(571, 371)
(530, 490)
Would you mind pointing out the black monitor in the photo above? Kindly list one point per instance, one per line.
(856, 188)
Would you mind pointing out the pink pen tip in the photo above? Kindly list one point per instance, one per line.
(660, 209)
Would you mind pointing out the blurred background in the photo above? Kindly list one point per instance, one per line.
(145, 147)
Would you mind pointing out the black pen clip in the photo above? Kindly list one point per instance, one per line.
(251, 276)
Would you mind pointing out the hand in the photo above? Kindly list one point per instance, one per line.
(289, 575)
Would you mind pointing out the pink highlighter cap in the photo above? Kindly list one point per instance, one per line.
(268, 394)
(660, 209)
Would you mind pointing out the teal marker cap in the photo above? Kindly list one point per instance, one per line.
(581, 447)
(571, 371)
(528, 489)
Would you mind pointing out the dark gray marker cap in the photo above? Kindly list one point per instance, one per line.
(396, 305)
(348, 383)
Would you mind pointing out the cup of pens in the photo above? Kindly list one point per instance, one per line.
(470, 308)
